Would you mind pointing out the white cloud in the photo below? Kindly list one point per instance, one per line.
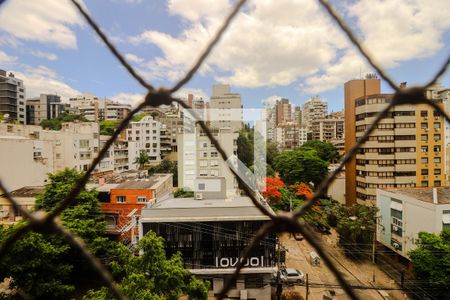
(46, 55)
(45, 21)
(133, 58)
(42, 79)
(198, 93)
(270, 101)
(5, 58)
(129, 98)
(273, 43)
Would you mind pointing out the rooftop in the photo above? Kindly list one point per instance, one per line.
(191, 210)
(27, 191)
(424, 194)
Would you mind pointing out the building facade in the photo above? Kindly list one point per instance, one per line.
(283, 111)
(399, 211)
(290, 136)
(226, 109)
(95, 109)
(329, 129)
(405, 149)
(210, 231)
(12, 97)
(313, 109)
(25, 198)
(44, 107)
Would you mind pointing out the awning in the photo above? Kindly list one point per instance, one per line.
(396, 205)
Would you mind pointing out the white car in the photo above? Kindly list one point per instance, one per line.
(291, 275)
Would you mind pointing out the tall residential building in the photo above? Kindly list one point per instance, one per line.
(283, 111)
(12, 97)
(405, 150)
(144, 135)
(44, 107)
(313, 109)
(330, 129)
(290, 136)
(226, 108)
(197, 157)
(298, 115)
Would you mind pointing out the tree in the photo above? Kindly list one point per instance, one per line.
(142, 159)
(325, 150)
(431, 262)
(153, 276)
(43, 264)
(301, 165)
(166, 166)
(271, 153)
(272, 192)
(245, 146)
(56, 124)
(108, 127)
(138, 117)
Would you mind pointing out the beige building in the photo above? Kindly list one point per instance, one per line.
(12, 97)
(25, 197)
(95, 109)
(313, 109)
(197, 157)
(226, 108)
(405, 150)
(290, 136)
(329, 129)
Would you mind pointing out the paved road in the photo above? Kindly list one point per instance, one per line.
(356, 273)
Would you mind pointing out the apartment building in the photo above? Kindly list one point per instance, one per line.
(144, 135)
(399, 211)
(74, 146)
(95, 109)
(44, 107)
(283, 111)
(197, 157)
(12, 97)
(405, 150)
(298, 115)
(313, 109)
(329, 129)
(226, 108)
(290, 135)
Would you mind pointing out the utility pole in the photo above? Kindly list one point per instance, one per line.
(279, 284)
(307, 287)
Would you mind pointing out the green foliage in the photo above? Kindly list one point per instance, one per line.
(108, 127)
(56, 124)
(181, 193)
(166, 166)
(325, 150)
(153, 276)
(43, 264)
(301, 165)
(142, 159)
(271, 153)
(245, 146)
(138, 117)
(431, 262)
(356, 227)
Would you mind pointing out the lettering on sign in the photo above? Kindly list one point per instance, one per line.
(226, 262)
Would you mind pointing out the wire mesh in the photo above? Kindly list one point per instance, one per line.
(286, 222)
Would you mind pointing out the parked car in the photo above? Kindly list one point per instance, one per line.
(291, 275)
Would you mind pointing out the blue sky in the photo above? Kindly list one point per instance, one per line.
(273, 49)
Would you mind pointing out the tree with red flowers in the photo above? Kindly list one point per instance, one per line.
(272, 192)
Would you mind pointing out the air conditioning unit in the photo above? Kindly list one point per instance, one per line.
(198, 196)
(396, 245)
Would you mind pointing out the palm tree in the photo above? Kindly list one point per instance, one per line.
(142, 159)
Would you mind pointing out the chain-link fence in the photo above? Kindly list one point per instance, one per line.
(41, 221)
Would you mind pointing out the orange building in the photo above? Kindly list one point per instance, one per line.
(122, 203)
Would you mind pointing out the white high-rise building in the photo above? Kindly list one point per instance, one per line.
(144, 135)
(95, 109)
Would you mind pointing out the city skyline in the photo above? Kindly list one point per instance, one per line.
(72, 60)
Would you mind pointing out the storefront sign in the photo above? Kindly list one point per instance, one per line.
(225, 262)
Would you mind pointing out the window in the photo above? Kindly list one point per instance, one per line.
(203, 163)
(424, 137)
(141, 199)
(424, 149)
(424, 184)
(424, 160)
(204, 145)
(201, 186)
(84, 143)
(121, 199)
(214, 154)
(205, 154)
(437, 171)
(424, 172)
(437, 148)
(437, 183)
(437, 159)
(437, 125)
(437, 137)
(424, 113)
(424, 125)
